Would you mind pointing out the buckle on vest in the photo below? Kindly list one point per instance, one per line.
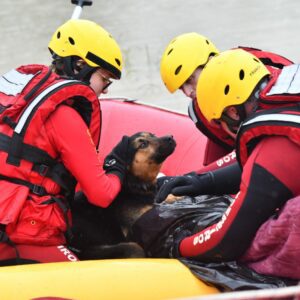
(3, 108)
(42, 170)
(38, 190)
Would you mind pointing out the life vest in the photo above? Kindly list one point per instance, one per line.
(274, 63)
(283, 121)
(283, 88)
(269, 59)
(280, 104)
(28, 95)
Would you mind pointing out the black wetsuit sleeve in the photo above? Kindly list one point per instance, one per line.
(227, 180)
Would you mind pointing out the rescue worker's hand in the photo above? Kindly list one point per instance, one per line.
(188, 185)
(163, 180)
(120, 158)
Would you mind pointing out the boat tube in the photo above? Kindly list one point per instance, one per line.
(107, 279)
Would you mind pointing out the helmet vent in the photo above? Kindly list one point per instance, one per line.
(226, 90)
(242, 74)
(178, 70)
(170, 51)
(118, 61)
(207, 42)
(256, 60)
(58, 35)
(72, 42)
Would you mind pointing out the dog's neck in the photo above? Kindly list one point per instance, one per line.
(133, 185)
(136, 198)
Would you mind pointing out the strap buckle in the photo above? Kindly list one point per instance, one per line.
(43, 170)
(38, 190)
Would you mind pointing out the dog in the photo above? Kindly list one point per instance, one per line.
(103, 233)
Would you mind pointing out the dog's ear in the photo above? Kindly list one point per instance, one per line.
(131, 150)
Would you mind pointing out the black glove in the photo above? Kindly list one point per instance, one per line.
(120, 158)
(187, 185)
(222, 181)
(163, 180)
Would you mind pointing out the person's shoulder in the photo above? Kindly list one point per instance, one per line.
(65, 112)
(65, 119)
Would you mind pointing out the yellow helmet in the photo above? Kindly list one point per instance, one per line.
(228, 79)
(183, 56)
(90, 42)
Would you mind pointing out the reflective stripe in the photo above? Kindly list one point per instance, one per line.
(288, 81)
(13, 82)
(36, 101)
(274, 117)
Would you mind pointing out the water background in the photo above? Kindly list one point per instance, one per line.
(143, 29)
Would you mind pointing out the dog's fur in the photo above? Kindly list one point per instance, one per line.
(102, 233)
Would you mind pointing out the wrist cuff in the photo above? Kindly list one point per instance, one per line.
(117, 173)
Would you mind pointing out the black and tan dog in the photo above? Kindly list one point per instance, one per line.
(102, 233)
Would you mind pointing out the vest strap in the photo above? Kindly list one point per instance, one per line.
(43, 163)
(11, 145)
(5, 239)
(28, 96)
(34, 188)
(64, 206)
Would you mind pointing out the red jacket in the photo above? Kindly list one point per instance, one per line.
(57, 146)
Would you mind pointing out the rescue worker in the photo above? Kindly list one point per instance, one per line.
(268, 149)
(181, 64)
(49, 129)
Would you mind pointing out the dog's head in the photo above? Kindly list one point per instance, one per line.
(150, 153)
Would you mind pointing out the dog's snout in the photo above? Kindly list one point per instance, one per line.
(168, 138)
(166, 147)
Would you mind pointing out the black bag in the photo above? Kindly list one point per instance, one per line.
(233, 276)
(158, 228)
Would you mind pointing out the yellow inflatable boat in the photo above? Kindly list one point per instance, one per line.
(121, 279)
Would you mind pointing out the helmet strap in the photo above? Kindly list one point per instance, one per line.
(68, 66)
(241, 111)
(85, 73)
(233, 124)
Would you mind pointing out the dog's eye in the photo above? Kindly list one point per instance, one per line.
(143, 144)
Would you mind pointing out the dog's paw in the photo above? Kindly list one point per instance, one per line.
(171, 198)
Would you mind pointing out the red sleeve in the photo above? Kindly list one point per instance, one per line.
(268, 181)
(224, 161)
(70, 136)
